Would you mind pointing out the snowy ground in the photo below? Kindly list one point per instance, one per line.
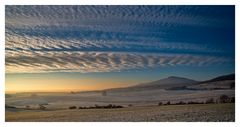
(185, 113)
(136, 98)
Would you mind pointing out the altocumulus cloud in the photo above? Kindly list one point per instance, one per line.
(115, 38)
(98, 61)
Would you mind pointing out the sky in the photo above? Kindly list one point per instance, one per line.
(78, 48)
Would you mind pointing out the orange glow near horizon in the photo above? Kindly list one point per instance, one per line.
(62, 85)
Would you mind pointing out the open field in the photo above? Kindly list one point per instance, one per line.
(136, 98)
(197, 112)
(139, 102)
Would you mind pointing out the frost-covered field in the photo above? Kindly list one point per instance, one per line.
(139, 105)
(196, 112)
(136, 98)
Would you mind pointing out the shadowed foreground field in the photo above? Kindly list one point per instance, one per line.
(197, 112)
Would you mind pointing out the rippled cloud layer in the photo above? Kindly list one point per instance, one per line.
(85, 62)
(116, 38)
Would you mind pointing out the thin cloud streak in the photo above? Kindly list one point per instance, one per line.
(85, 62)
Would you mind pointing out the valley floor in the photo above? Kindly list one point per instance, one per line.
(180, 113)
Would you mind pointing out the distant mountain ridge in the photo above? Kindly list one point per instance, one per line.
(220, 78)
(168, 82)
(173, 83)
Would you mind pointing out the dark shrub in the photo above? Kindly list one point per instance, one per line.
(8, 106)
(209, 101)
(83, 107)
(114, 106)
(91, 107)
(168, 103)
(118, 106)
(72, 107)
(109, 106)
(232, 85)
(97, 106)
(181, 103)
(100, 107)
(130, 105)
(27, 107)
(224, 99)
(160, 103)
(232, 99)
(42, 107)
(195, 102)
(191, 102)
